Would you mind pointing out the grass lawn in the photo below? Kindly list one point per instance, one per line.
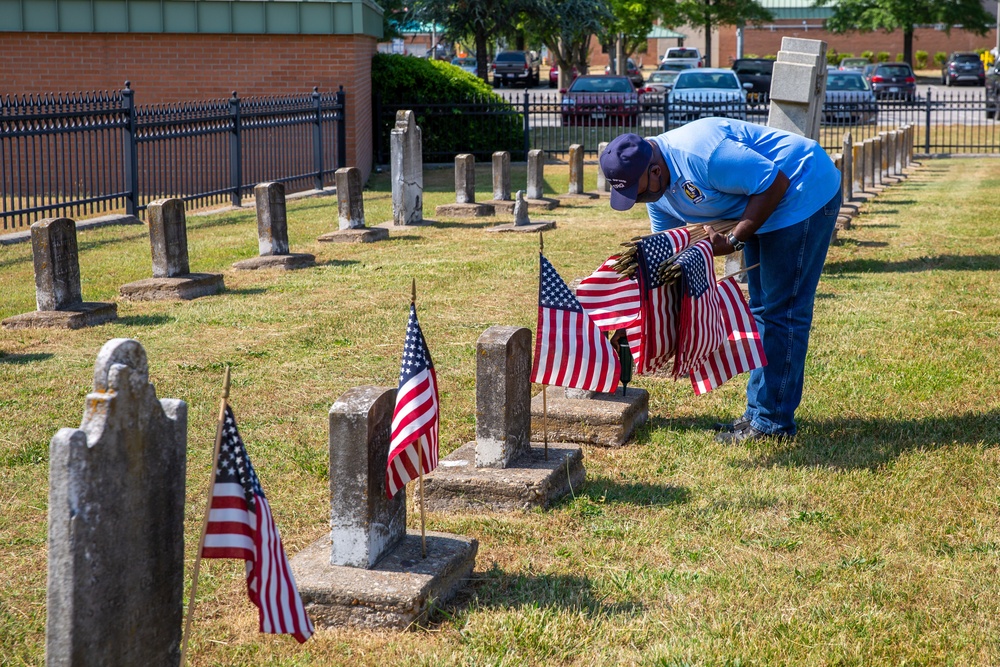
(872, 538)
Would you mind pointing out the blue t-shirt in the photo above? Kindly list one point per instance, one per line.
(716, 164)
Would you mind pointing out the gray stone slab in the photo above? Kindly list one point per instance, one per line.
(531, 227)
(350, 198)
(57, 264)
(847, 168)
(184, 287)
(536, 175)
(500, 206)
(463, 210)
(407, 164)
(544, 204)
(503, 395)
(85, 314)
(286, 262)
(603, 187)
(116, 522)
(272, 218)
(576, 170)
(168, 238)
(529, 481)
(398, 592)
(501, 176)
(465, 178)
(365, 235)
(608, 420)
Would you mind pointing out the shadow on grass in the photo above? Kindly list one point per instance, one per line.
(21, 359)
(878, 226)
(338, 263)
(146, 320)
(871, 443)
(246, 291)
(861, 244)
(479, 224)
(607, 490)
(940, 263)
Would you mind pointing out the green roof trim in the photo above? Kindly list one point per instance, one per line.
(242, 17)
(659, 32)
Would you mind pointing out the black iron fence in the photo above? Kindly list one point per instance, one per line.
(952, 122)
(81, 155)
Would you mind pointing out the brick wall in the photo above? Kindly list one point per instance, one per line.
(182, 67)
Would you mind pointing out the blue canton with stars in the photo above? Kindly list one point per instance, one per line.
(552, 290)
(652, 252)
(416, 356)
(234, 462)
(692, 264)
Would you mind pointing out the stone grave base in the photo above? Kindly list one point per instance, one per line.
(530, 227)
(289, 262)
(500, 206)
(188, 286)
(843, 222)
(605, 419)
(530, 481)
(544, 204)
(356, 235)
(87, 314)
(582, 197)
(463, 210)
(397, 592)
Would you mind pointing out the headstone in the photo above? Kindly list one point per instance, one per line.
(465, 205)
(272, 233)
(57, 282)
(603, 187)
(116, 522)
(369, 571)
(502, 469)
(593, 418)
(351, 211)
(520, 210)
(406, 154)
(877, 161)
(798, 85)
(536, 182)
(501, 176)
(522, 223)
(172, 277)
(847, 168)
(897, 153)
(888, 154)
(576, 173)
(858, 168)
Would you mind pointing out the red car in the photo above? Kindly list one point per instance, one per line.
(554, 76)
(601, 100)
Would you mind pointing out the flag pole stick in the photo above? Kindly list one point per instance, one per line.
(420, 460)
(738, 272)
(545, 422)
(204, 523)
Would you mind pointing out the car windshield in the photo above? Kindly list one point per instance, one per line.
(510, 56)
(853, 62)
(682, 53)
(602, 84)
(894, 70)
(695, 79)
(661, 77)
(753, 68)
(845, 82)
(675, 67)
(967, 58)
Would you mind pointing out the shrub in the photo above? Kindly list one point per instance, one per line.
(846, 55)
(921, 58)
(832, 58)
(899, 57)
(868, 55)
(882, 57)
(405, 82)
(940, 57)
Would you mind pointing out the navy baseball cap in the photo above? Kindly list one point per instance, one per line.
(623, 162)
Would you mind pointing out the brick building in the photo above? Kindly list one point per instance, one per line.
(180, 50)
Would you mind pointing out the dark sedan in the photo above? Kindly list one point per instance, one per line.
(600, 100)
(893, 81)
(963, 67)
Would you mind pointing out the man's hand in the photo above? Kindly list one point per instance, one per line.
(720, 245)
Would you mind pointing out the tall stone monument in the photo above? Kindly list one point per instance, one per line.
(502, 469)
(535, 192)
(58, 295)
(351, 211)
(465, 205)
(407, 163)
(798, 86)
(172, 277)
(116, 522)
(369, 571)
(272, 233)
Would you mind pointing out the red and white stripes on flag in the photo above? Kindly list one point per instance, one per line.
(653, 339)
(699, 331)
(741, 352)
(570, 351)
(240, 525)
(413, 446)
(610, 299)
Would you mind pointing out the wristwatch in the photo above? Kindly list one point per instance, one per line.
(737, 245)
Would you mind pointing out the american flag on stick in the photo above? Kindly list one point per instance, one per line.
(413, 447)
(740, 352)
(570, 351)
(240, 525)
(699, 330)
(653, 339)
(610, 299)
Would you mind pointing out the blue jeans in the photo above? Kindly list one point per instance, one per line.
(782, 292)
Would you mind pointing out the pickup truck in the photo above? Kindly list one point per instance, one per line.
(512, 67)
(683, 54)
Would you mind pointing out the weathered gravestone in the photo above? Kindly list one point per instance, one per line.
(368, 571)
(876, 162)
(272, 233)
(858, 169)
(501, 201)
(172, 277)
(116, 522)
(522, 223)
(351, 211)
(465, 205)
(407, 164)
(502, 469)
(575, 189)
(603, 186)
(798, 86)
(535, 192)
(847, 206)
(57, 282)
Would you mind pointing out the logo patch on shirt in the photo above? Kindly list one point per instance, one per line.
(692, 192)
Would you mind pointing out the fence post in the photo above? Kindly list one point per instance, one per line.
(235, 152)
(527, 127)
(927, 125)
(131, 154)
(318, 140)
(666, 110)
(342, 129)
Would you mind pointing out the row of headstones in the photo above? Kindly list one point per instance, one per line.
(117, 495)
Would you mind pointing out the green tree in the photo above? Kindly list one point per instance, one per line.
(479, 20)
(633, 20)
(566, 28)
(707, 14)
(891, 15)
